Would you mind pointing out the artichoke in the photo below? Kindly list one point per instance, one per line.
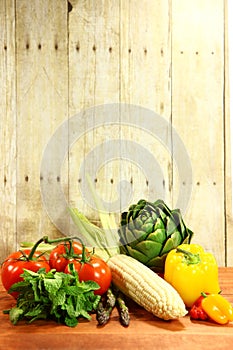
(148, 231)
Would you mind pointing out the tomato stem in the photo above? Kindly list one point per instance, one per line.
(84, 258)
(32, 252)
(45, 239)
(70, 250)
(58, 240)
(24, 255)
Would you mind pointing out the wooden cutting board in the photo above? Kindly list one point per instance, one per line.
(145, 330)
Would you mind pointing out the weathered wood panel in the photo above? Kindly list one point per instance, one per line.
(198, 113)
(145, 81)
(94, 81)
(228, 141)
(118, 55)
(61, 61)
(42, 95)
(8, 209)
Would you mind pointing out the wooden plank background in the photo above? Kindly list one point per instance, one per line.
(61, 59)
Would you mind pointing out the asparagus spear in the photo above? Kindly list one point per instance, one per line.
(102, 314)
(106, 305)
(122, 310)
(111, 298)
(104, 309)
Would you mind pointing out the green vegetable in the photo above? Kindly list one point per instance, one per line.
(53, 295)
(148, 231)
(104, 239)
(122, 310)
(105, 307)
(112, 298)
(103, 314)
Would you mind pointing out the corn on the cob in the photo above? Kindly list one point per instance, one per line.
(146, 288)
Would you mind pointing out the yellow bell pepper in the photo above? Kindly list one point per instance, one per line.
(191, 270)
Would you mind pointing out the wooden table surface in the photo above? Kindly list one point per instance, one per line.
(145, 330)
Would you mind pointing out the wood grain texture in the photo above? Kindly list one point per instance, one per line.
(145, 331)
(42, 95)
(197, 114)
(63, 59)
(94, 81)
(8, 118)
(145, 81)
(228, 154)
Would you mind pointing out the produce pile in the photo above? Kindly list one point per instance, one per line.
(149, 258)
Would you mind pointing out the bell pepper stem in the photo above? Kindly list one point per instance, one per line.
(190, 258)
(204, 294)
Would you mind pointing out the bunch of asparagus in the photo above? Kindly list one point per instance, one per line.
(107, 303)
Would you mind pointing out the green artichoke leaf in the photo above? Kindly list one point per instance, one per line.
(158, 235)
(138, 223)
(181, 226)
(137, 255)
(131, 225)
(124, 250)
(141, 203)
(163, 216)
(138, 237)
(149, 248)
(171, 226)
(169, 245)
(177, 238)
(131, 208)
(122, 235)
(162, 207)
(141, 235)
(137, 208)
(189, 235)
(121, 238)
(159, 224)
(148, 227)
(131, 237)
(157, 263)
(124, 218)
(154, 216)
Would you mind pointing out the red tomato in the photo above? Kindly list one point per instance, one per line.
(94, 270)
(14, 264)
(61, 255)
